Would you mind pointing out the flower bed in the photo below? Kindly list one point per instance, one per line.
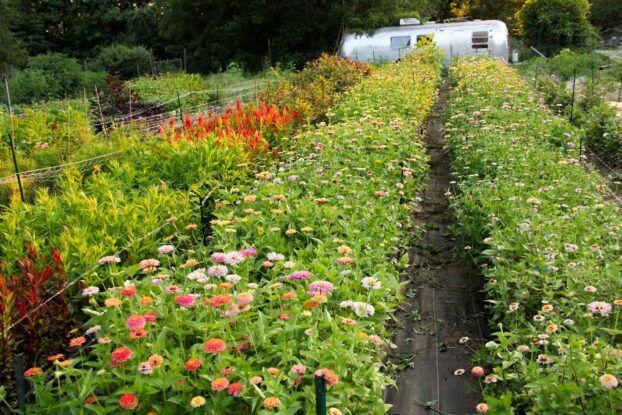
(298, 280)
(548, 244)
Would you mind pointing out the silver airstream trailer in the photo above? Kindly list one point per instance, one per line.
(488, 37)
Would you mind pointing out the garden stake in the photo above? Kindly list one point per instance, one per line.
(537, 73)
(574, 81)
(101, 114)
(12, 140)
(19, 379)
(320, 395)
(620, 89)
(181, 118)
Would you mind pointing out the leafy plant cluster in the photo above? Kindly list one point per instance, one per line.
(547, 241)
(317, 86)
(298, 279)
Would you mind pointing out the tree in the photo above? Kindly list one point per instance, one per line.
(551, 25)
(606, 13)
(12, 52)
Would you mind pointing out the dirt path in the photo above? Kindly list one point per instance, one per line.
(441, 304)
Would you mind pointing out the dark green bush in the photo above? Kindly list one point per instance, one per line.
(123, 61)
(603, 130)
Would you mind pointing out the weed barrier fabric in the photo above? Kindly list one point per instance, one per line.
(548, 243)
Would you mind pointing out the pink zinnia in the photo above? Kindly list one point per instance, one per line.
(234, 258)
(214, 346)
(600, 307)
(344, 260)
(148, 263)
(248, 252)
(185, 300)
(220, 384)
(299, 275)
(298, 369)
(218, 271)
(244, 298)
(136, 322)
(477, 372)
(235, 389)
(166, 249)
(219, 257)
(320, 287)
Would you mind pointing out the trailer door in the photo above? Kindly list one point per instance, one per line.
(459, 44)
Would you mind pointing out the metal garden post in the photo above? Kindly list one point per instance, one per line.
(537, 73)
(574, 82)
(620, 89)
(181, 118)
(320, 395)
(19, 378)
(12, 140)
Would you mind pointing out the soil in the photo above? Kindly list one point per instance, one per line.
(443, 304)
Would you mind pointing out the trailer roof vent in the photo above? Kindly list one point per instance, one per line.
(409, 21)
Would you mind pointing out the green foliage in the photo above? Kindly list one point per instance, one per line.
(551, 25)
(52, 76)
(12, 52)
(123, 61)
(603, 130)
(606, 14)
(548, 242)
(319, 85)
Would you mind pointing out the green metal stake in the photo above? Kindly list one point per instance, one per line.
(12, 141)
(620, 89)
(320, 395)
(574, 81)
(21, 388)
(181, 118)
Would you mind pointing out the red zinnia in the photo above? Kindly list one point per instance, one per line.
(33, 371)
(129, 291)
(121, 354)
(55, 357)
(136, 322)
(214, 346)
(235, 389)
(193, 364)
(128, 401)
(77, 342)
(90, 399)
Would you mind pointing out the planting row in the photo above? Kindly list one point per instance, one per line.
(121, 207)
(299, 277)
(548, 244)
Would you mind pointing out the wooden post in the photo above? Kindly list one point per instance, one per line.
(12, 142)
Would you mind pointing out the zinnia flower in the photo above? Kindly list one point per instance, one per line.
(129, 291)
(330, 377)
(608, 381)
(275, 256)
(110, 259)
(136, 322)
(244, 298)
(128, 401)
(477, 372)
(185, 300)
(299, 275)
(320, 287)
(214, 346)
(121, 354)
(220, 384)
(600, 307)
(145, 368)
(298, 368)
(193, 364)
(155, 361)
(481, 408)
(235, 389)
(371, 283)
(271, 403)
(197, 401)
(218, 271)
(149, 263)
(90, 291)
(166, 249)
(77, 342)
(33, 371)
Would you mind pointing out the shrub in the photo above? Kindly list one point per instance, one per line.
(126, 62)
(603, 130)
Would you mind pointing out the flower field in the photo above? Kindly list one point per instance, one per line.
(548, 243)
(299, 276)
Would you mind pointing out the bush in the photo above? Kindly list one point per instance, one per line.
(52, 76)
(126, 62)
(603, 130)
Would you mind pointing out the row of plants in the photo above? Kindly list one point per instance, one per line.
(597, 81)
(121, 206)
(297, 281)
(547, 241)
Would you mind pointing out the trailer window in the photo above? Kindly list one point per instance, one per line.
(399, 42)
(480, 40)
(428, 38)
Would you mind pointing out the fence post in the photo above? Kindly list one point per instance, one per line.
(130, 89)
(19, 379)
(537, 74)
(620, 89)
(185, 61)
(574, 82)
(320, 395)
(12, 140)
(101, 114)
